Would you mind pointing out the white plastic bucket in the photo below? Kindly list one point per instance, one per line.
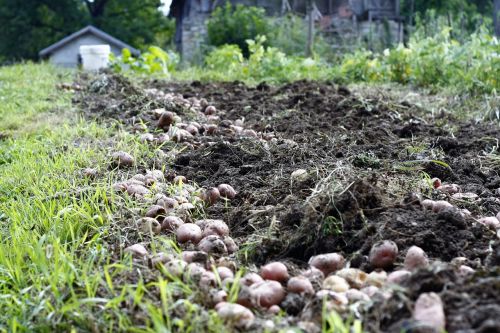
(95, 57)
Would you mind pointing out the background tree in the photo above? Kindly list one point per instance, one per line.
(31, 25)
(496, 17)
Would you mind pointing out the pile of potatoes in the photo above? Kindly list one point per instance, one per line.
(455, 193)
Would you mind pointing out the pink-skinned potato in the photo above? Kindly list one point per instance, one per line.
(327, 263)
(274, 271)
(188, 232)
(383, 254)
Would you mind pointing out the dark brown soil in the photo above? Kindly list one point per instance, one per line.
(366, 158)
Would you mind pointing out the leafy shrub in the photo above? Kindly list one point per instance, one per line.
(437, 61)
(154, 61)
(235, 24)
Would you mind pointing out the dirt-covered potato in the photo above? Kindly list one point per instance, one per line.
(235, 314)
(137, 250)
(188, 232)
(415, 258)
(171, 223)
(327, 263)
(216, 227)
(274, 271)
(226, 191)
(300, 285)
(429, 311)
(383, 254)
(267, 293)
(213, 245)
(122, 159)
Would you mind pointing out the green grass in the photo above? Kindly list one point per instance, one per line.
(57, 270)
(28, 98)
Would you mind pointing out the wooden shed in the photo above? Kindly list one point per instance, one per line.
(66, 52)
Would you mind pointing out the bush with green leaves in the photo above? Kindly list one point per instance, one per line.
(154, 61)
(230, 24)
(438, 61)
(264, 63)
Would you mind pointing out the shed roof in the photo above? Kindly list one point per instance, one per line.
(92, 30)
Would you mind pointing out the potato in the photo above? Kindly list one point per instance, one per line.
(267, 293)
(274, 271)
(171, 223)
(274, 309)
(300, 285)
(137, 250)
(90, 173)
(370, 291)
(179, 180)
(429, 311)
(235, 314)
(251, 278)
(122, 159)
(211, 196)
(210, 129)
(436, 182)
(376, 278)
(355, 277)
(167, 118)
(249, 133)
(194, 257)
(216, 227)
(218, 296)
(159, 259)
(244, 296)
(193, 130)
(146, 137)
(162, 138)
(203, 103)
(193, 272)
(149, 225)
(120, 187)
(327, 263)
(490, 222)
(179, 135)
(230, 245)
(339, 299)
(226, 191)
(465, 270)
(383, 254)
(212, 245)
(354, 295)
(441, 205)
(175, 268)
(137, 190)
(397, 277)
(156, 113)
(449, 188)
(188, 232)
(207, 280)
(210, 110)
(224, 272)
(335, 283)
(427, 204)
(313, 274)
(156, 211)
(415, 258)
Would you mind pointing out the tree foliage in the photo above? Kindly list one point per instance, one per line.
(31, 25)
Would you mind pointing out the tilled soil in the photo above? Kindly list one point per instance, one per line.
(366, 160)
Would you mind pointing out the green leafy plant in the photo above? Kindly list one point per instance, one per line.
(235, 24)
(154, 61)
